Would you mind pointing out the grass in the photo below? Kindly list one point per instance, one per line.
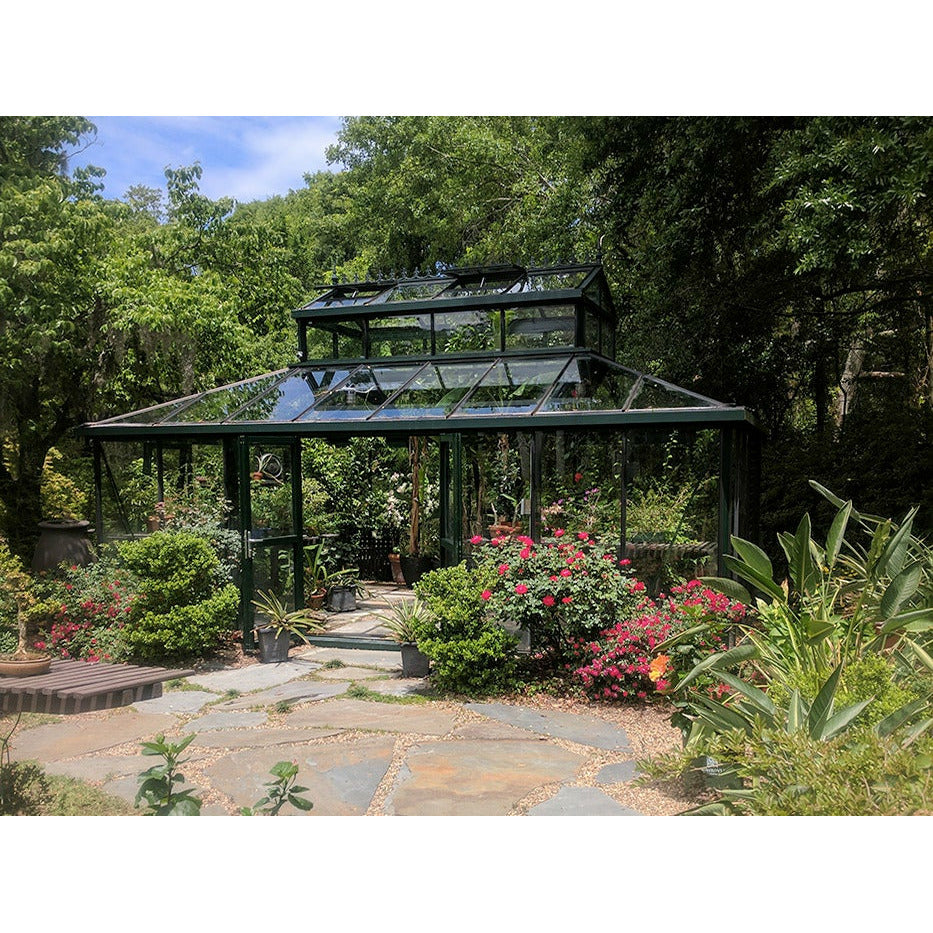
(32, 792)
(333, 664)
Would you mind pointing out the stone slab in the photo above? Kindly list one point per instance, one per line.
(254, 676)
(617, 773)
(349, 673)
(489, 729)
(478, 778)
(384, 660)
(369, 715)
(294, 691)
(341, 778)
(258, 738)
(77, 735)
(580, 728)
(102, 767)
(401, 686)
(176, 701)
(581, 801)
(232, 719)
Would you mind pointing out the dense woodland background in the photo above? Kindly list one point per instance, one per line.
(780, 263)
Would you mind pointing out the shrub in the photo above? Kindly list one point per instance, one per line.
(564, 589)
(470, 652)
(183, 631)
(15, 587)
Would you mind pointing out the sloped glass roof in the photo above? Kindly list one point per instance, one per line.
(529, 391)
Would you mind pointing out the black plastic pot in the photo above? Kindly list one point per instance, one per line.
(414, 663)
(273, 648)
(413, 568)
(341, 598)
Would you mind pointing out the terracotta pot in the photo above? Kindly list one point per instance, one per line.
(29, 666)
(395, 562)
(316, 600)
(505, 530)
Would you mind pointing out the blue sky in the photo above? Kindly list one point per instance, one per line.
(247, 158)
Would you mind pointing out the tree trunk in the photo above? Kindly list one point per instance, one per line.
(849, 382)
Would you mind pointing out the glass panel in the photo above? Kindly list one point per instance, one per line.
(435, 391)
(293, 396)
(590, 385)
(400, 336)
(414, 291)
(654, 395)
(270, 491)
(591, 330)
(540, 327)
(219, 404)
(512, 386)
(347, 296)
(463, 331)
(367, 389)
(151, 415)
(550, 281)
(494, 283)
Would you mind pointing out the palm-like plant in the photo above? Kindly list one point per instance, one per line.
(298, 622)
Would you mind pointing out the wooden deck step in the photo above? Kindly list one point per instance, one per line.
(77, 687)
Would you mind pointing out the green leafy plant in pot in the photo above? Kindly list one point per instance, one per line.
(342, 587)
(406, 622)
(275, 632)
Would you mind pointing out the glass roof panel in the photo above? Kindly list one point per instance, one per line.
(591, 384)
(218, 404)
(347, 296)
(655, 394)
(367, 388)
(491, 284)
(293, 395)
(512, 387)
(554, 280)
(459, 331)
(414, 291)
(435, 391)
(152, 415)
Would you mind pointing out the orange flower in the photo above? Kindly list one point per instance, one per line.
(659, 667)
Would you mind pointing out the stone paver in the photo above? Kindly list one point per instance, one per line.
(479, 778)
(254, 677)
(374, 716)
(177, 701)
(80, 735)
(293, 692)
(585, 730)
(102, 767)
(615, 774)
(400, 686)
(232, 719)
(257, 738)
(581, 801)
(349, 673)
(341, 779)
(388, 660)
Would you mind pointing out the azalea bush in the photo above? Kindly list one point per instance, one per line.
(565, 588)
(666, 639)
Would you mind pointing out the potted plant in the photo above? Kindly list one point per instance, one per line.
(24, 662)
(315, 576)
(342, 587)
(275, 632)
(405, 621)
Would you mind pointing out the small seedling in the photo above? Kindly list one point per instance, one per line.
(157, 784)
(281, 791)
(333, 664)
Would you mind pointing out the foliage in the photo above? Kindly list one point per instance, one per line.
(470, 653)
(16, 596)
(159, 786)
(565, 588)
(282, 790)
(277, 617)
(405, 620)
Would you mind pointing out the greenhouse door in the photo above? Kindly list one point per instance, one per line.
(451, 523)
(270, 524)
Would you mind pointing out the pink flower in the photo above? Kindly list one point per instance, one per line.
(521, 589)
(566, 572)
(525, 553)
(476, 539)
(548, 600)
(582, 535)
(624, 562)
(566, 600)
(637, 586)
(503, 568)
(486, 594)
(559, 532)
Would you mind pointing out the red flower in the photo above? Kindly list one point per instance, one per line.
(577, 477)
(476, 539)
(486, 594)
(548, 600)
(503, 568)
(624, 562)
(521, 589)
(582, 535)
(566, 572)
(566, 600)
(559, 532)
(525, 553)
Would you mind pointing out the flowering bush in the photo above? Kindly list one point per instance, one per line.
(667, 639)
(564, 588)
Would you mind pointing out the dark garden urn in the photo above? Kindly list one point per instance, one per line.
(62, 540)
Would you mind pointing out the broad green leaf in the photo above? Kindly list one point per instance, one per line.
(838, 721)
(822, 706)
(900, 589)
(301, 803)
(836, 501)
(796, 711)
(727, 587)
(896, 719)
(708, 809)
(915, 732)
(186, 806)
(758, 698)
(721, 717)
(891, 561)
(920, 654)
(816, 629)
(754, 556)
(719, 661)
(837, 533)
(750, 575)
(917, 620)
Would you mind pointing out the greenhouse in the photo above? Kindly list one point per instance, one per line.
(497, 384)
